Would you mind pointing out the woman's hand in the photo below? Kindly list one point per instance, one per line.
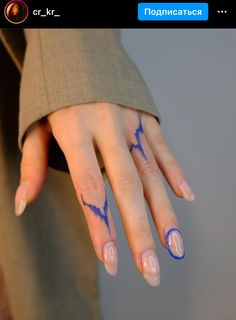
(135, 156)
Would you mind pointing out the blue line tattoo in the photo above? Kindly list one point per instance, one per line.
(138, 146)
(98, 212)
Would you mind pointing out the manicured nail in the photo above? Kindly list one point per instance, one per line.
(110, 258)
(174, 243)
(186, 191)
(21, 198)
(151, 268)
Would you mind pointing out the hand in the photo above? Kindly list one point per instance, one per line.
(135, 156)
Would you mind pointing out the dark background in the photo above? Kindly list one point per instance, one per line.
(97, 14)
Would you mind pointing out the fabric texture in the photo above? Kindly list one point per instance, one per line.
(64, 67)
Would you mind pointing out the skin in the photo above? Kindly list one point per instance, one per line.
(15, 9)
(80, 130)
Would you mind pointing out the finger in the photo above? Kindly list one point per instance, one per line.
(33, 168)
(90, 189)
(168, 164)
(155, 193)
(127, 188)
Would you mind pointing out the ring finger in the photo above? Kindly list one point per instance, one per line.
(155, 193)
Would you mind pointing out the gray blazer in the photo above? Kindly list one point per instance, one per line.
(64, 67)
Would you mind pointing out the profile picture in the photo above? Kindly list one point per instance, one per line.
(16, 11)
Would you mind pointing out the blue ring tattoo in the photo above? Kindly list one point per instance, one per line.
(97, 211)
(138, 146)
(167, 244)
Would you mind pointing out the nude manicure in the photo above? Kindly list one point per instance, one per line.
(174, 243)
(110, 258)
(187, 191)
(21, 198)
(151, 268)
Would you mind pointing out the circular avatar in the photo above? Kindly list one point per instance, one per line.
(16, 11)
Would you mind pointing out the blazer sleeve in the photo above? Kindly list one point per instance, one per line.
(64, 67)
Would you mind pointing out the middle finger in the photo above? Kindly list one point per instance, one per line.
(128, 191)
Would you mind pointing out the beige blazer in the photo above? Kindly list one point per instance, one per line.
(64, 67)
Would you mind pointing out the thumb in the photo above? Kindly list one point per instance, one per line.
(34, 164)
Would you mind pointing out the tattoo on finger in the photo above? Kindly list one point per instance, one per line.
(98, 212)
(137, 135)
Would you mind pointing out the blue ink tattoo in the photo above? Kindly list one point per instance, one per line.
(98, 212)
(138, 146)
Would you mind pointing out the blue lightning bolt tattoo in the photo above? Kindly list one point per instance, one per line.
(138, 146)
(98, 212)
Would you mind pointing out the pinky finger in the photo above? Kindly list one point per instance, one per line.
(168, 164)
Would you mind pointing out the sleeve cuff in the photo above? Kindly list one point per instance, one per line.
(65, 67)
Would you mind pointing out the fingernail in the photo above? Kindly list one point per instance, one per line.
(110, 258)
(151, 268)
(21, 198)
(186, 191)
(174, 243)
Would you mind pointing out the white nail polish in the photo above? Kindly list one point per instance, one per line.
(110, 258)
(151, 268)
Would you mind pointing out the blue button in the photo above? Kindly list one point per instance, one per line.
(172, 11)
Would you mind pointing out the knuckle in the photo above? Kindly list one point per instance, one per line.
(105, 111)
(174, 165)
(141, 230)
(90, 181)
(149, 169)
(128, 184)
(73, 148)
(159, 140)
(28, 162)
